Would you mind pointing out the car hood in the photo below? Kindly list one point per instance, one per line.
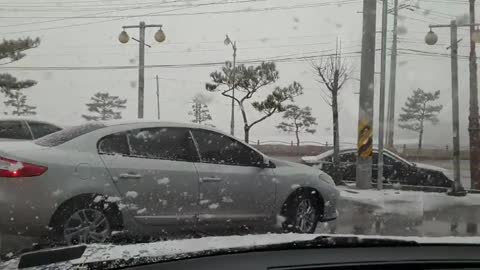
(446, 172)
(190, 248)
(310, 159)
(283, 163)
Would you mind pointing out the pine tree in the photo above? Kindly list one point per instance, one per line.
(298, 120)
(417, 110)
(11, 88)
(200, 112)
(14, 50)
(104, 107)
(18, 100)
(248, 82)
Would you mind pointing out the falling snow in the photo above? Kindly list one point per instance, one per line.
(213, 206)
(227, 200)
(163, 181)
(295, 186)
(131, 194)
(113, 199)
(57, 192)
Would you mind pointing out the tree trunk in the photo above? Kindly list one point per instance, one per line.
(298, 139)
(336, 140)
(246, 127)
(246, 130)
(420, 139)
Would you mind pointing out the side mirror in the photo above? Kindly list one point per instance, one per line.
(267, 163)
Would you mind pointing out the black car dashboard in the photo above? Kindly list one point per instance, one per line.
(420, 257)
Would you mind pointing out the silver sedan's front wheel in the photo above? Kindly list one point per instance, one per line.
(86, 226)
(306, 217)
(302, 213)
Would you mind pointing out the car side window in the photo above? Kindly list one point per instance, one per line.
(349, 158)
(162, 143)
(220, 149)
(14, 130)
(388, 160)
(41, 129)
(114, 144)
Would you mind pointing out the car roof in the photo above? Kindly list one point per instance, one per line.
(111, 123)
(351, 149)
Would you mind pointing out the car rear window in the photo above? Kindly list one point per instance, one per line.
(68, 134)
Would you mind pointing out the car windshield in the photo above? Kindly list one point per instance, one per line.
(129, 122)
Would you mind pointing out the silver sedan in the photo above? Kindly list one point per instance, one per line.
(84, 183)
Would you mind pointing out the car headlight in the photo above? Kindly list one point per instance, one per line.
(326, 178)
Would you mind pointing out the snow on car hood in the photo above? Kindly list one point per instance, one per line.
(317, 158)
(448, 173)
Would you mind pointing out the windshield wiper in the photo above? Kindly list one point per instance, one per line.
(50, 256)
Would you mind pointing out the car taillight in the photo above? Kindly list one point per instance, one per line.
(12, 169)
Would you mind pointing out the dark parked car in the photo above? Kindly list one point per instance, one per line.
(25, 129)
(396, 168)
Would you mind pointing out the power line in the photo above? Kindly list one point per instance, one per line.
(64, 19)
(144, 5)
(246, 10)
(282, 58)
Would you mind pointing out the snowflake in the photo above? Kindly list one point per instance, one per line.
(131, 194)
(213, 206)
(163, 181)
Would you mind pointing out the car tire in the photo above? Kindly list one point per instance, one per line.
(81, 221)
(302, 213)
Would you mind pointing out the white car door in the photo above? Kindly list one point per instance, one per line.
(233, 185)
(153, 171)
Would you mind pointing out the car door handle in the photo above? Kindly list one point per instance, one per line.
(210, 179)
(130, 176)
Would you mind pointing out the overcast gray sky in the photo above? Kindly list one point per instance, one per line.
(195, 29)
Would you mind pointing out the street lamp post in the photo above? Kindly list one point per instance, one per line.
(431, 39)
(124, 38)
(227, 42)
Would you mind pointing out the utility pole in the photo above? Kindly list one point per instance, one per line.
(232, 120)
(381, 113)
(123, 38)
(456, 129)
(474, 125)
(393, 81)
(365, 115)
(141, 71)
(227, 42)
(158, 99)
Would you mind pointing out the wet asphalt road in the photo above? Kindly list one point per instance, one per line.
(358, 218)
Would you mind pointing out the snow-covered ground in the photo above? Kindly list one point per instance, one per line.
(407, 202)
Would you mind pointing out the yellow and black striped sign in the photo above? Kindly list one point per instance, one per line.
(365, 139)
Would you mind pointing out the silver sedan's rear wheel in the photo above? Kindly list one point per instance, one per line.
(86, 226)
